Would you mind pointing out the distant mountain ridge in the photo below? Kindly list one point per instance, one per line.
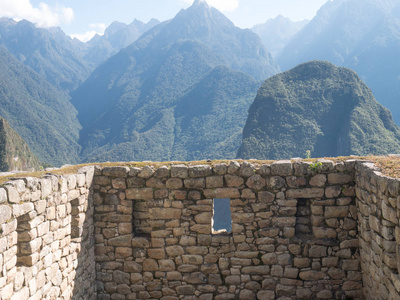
(129, 106)
(49, 52)
(276, 33)
(116, 36)
(318, 107)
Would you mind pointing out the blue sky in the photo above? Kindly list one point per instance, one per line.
(83, 18)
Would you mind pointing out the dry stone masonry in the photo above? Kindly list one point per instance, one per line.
(299, 231)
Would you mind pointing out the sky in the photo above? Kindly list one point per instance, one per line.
(84, 18)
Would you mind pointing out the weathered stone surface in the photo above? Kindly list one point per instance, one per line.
(312, 275)
(165, 213)
(179, 171)
(222, 193)
(255, 182)
(5, 213)
(282, 168)
(333, 191)
(247, 169)
(339, 178)
(257, 270)
(115, 171)
(200, 171)
(213, 182)
(336, 211)
(195, 183)
(266, 197)
(305, 193)
(233, 167)
(220, 169)
(318, 180)
(234, 181)
(139, 194)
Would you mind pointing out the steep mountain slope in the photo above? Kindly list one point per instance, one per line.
(127, 106)
(276, 33)
(117, 36)
(14, 152)
(40, 113)
(49, 52)
(318, 107)
(363, 35)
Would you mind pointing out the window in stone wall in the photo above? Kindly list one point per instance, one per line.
(303, 217)
(222, 219)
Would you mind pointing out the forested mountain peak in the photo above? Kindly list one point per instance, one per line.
(319, 107)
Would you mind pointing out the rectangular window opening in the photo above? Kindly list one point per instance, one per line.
(303, 218)
(222, 219)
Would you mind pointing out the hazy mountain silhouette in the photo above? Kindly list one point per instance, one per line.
(117, 36)
(276, 33)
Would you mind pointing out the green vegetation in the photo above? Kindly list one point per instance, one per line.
(41, 114)
(315, 166)
(318, 107)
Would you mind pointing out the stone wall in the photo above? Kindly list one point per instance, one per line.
(379, 213)
(294, 232)
(299, 231)
(46, 238)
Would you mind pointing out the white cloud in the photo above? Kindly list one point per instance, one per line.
(222, 5)
(42, 16)
(97, 28)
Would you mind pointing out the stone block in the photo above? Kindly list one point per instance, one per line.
(234, 181)
(146, 172)
(115, 172)
(139, 194)
(200, 171)
(339, 178)
(12, 194)
(165, 213)
(266, 197)
(220, 169)
(305, 193)
(312, 275)
(222, 193)
(255, 182)
(336, 211)
(247, 169)
(179, 171)
(282, 168)
(213, 182)
(318, 180)
(195, 183)
(5, 213)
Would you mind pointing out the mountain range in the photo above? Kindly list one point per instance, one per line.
(132, 106)
(182, 89)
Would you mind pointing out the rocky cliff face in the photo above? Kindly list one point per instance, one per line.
(14, 152)
(318, 107)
